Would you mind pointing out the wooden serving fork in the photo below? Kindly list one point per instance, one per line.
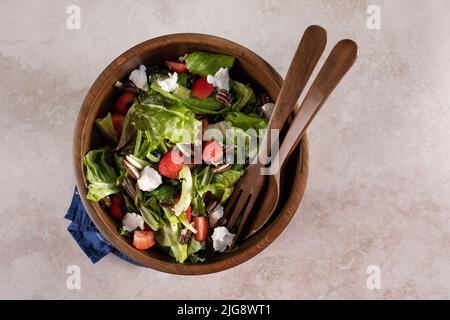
(305, 59)
(335, 67)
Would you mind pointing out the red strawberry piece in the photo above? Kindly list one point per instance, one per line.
(201, 88)
(201, 225)
(116, 207)
(212, 152)
(124, 101)
(188, 214)
(143, 240)
(117, 120)
(170, 164)
(178, 67)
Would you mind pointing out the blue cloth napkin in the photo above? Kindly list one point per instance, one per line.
(90, 240)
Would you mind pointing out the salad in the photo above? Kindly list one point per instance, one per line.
(177, 140)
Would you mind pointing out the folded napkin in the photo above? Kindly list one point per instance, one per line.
(90, 240)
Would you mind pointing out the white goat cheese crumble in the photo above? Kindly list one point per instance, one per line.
(215, 216)
(149, 180)
(139, 78)
(267, 110)
(221, 80)
(131, 221)
(169, 84)
(222, 238)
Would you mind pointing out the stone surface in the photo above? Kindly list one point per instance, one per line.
(378, 192)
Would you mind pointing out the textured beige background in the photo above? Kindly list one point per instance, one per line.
(378, 191)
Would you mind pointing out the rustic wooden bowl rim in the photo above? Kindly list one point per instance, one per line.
(250, 247)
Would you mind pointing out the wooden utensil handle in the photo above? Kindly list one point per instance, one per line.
(335, 67)
(307, 55)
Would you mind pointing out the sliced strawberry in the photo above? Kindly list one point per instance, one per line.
(212, 152)
(170, 164)
(122, 104)
(187, 214)
(117, 120)
(201, 88)
(201, 225)
(178, 67)
(143, 240)
(116, 207)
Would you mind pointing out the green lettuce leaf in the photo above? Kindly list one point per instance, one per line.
(244, 94)
(106, 127)
(237, 137)
(204, 63)
(186, 191)
(200, 178)
(163, 192)
(182, 79)
(125, 233)
(194, 247)
(168, 235)
(176, 123)
(222, 184)
(230, 135)
(128, 129)
(152, 218)
(254, 127)
(101, 176)
(246, 121)
(194, 258)
(228, 178)
(183, 96)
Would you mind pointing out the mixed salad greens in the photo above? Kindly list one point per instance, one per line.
(165, 172)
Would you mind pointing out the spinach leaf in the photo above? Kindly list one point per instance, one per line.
(244, 94)
(204, 63)
(163, 192)
(227, 178)
(246, 121)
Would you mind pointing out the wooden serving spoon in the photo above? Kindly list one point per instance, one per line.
(335, 67)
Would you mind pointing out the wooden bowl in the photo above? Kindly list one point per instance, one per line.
(100, 98)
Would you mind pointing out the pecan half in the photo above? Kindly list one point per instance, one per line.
(264, 98)
(106, 202)
(212, 205)
(130, 87)
(185, 236)
(129, 187)
(224, 97)
(165, 203)
(221, 168)
(132, 171)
